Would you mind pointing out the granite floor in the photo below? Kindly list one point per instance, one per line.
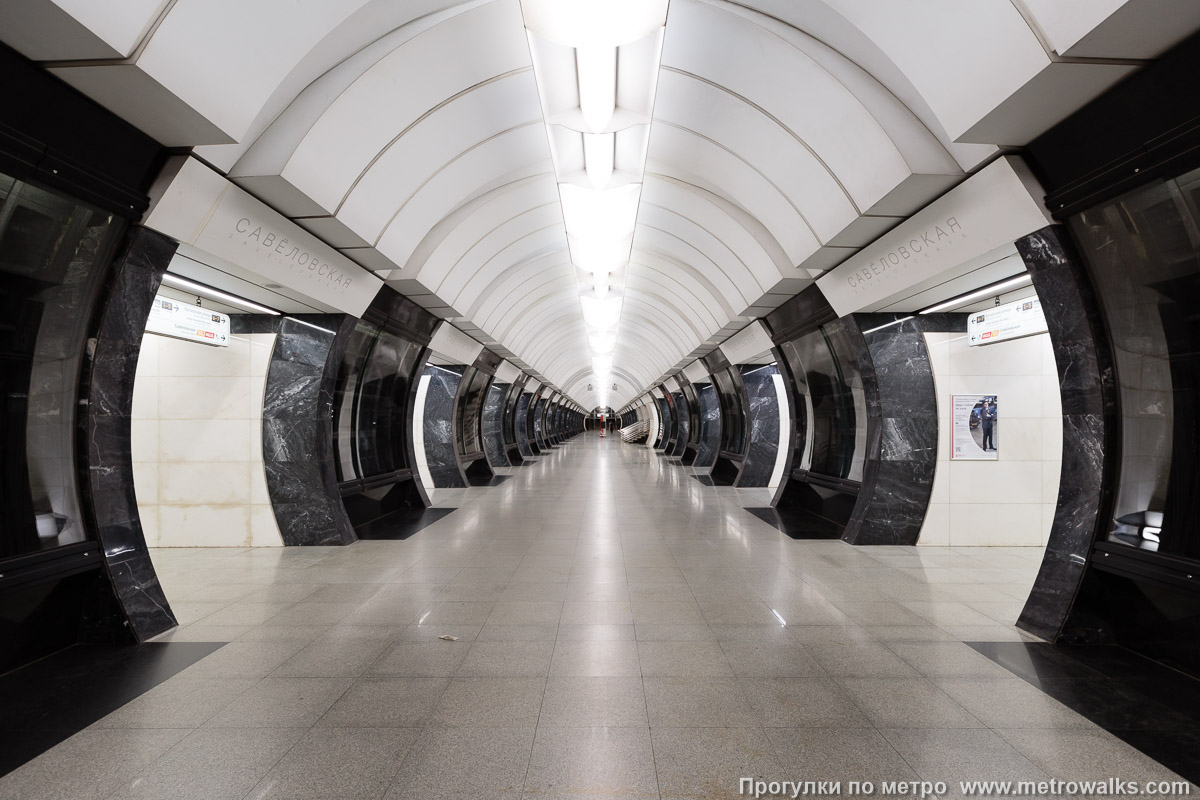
(601, 625)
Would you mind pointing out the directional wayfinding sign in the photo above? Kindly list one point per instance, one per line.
(1008, 321)
(169, 317)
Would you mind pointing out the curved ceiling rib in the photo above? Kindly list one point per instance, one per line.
(781, 137)
(449, 187)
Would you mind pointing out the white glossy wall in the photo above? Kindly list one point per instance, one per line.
(197, 443)
(1009, 502)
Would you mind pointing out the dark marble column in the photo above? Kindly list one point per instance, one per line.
(521, 425)
(805, 313)
(438, 425)
(763, 409)
(493, 436)
(108, 484)
(664, 422)
(539, 421)
(1089, 401)
(691, 446)
(297, 429)
(684, 423)
(902, 427)
(710, 425)
(548, 420)
(671, 436)
(511, 421)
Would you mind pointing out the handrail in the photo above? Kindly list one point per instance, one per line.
(636, 432)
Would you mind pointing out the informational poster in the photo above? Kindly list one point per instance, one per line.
(975, 427)
(169, 317)
(1008, 321)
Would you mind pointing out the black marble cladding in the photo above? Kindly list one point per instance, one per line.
(298, 455)
(902, 426)
(1088, 391)
(684, 429)
(438, 426)
(710, 426)
(539, 422)
(548, 413)
(509, 419)
(691, 445)
(520, 425)
(763, 409)
(665, 423)
(108, 483)
(493, 435)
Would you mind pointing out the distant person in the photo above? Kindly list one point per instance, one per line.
(987, 417)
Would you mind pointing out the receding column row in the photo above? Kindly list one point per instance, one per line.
(848, 421)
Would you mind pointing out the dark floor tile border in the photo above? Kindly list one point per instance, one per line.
(705, 479)
(798, 523)
(401, 524)
(1146, 705)
(48, 701)
(495, 480)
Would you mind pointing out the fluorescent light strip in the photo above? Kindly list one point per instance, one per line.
(599, 224)
(889, 324)
(176, 282)
(987, 291)
(314, 327)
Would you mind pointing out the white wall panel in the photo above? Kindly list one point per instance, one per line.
(1009, 502)
(198, 466)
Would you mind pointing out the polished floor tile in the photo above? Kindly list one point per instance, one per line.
(599, 625)
(607, 763)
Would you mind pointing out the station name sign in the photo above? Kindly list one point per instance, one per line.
(950, 237)
(201, 208)
(919, 247)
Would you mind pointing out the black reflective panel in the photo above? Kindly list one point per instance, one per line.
(371, 403)
(1143, 251)
(470, 412)
(344, 407)
(54, 253)
(539, 412)
(733, 416)
(831, 419)
(509, 419)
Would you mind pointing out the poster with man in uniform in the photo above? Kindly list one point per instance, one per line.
(975, 427)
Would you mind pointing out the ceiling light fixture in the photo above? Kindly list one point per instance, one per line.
(988, 291)
(176, 282)
(599, 158)
(598, 128)
(597, 68)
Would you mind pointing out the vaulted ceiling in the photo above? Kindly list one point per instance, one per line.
(409, 134)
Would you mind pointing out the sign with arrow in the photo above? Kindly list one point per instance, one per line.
(1008, 321)
(169, 317)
